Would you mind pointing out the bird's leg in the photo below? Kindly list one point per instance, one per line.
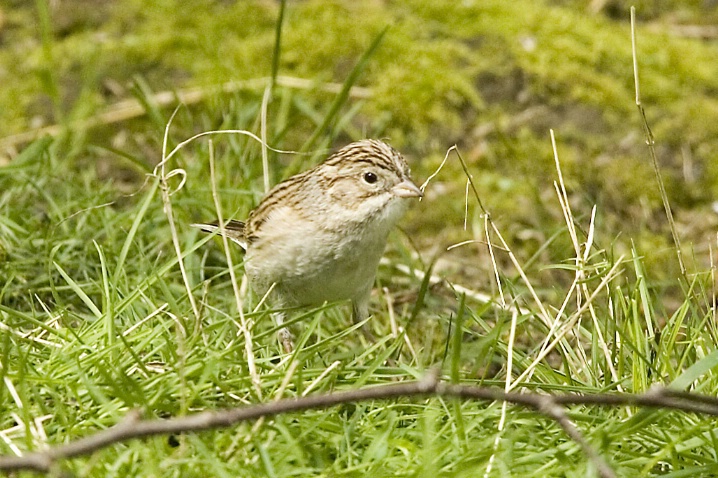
(360, 311)
(286, 338)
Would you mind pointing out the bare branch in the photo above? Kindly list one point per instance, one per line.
(552, 409)
(551, 406)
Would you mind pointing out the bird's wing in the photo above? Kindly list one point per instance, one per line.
(234, 230)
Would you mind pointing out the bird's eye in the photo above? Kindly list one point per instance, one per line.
(370, 177)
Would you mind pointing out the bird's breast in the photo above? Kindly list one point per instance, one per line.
(311, 266)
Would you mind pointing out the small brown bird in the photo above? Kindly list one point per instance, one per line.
(319, 235)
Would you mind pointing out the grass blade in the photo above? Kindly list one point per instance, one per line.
(344, 93)
(78, 290)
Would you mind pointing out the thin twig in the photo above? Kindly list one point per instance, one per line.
(550, 408)
(134, 427)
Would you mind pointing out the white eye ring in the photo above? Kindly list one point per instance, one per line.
(370, 178)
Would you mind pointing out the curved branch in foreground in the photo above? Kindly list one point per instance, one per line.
(552, 406)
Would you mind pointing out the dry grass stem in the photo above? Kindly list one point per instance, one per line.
(650, 141)
(246, 324)
(265, 155)
(610, 275)
(132, 108)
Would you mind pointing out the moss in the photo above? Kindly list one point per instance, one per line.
(491, 76)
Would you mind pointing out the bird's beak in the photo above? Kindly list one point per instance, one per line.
(407, 189)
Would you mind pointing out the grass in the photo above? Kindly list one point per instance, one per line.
(96, 317)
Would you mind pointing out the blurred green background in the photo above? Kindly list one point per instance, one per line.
(490, 76)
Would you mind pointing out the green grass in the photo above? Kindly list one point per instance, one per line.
(96, 318)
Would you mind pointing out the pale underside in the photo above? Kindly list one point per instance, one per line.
(314, 262)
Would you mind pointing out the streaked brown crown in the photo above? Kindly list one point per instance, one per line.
(374, 152)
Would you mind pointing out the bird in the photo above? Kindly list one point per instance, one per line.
(318, 236)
